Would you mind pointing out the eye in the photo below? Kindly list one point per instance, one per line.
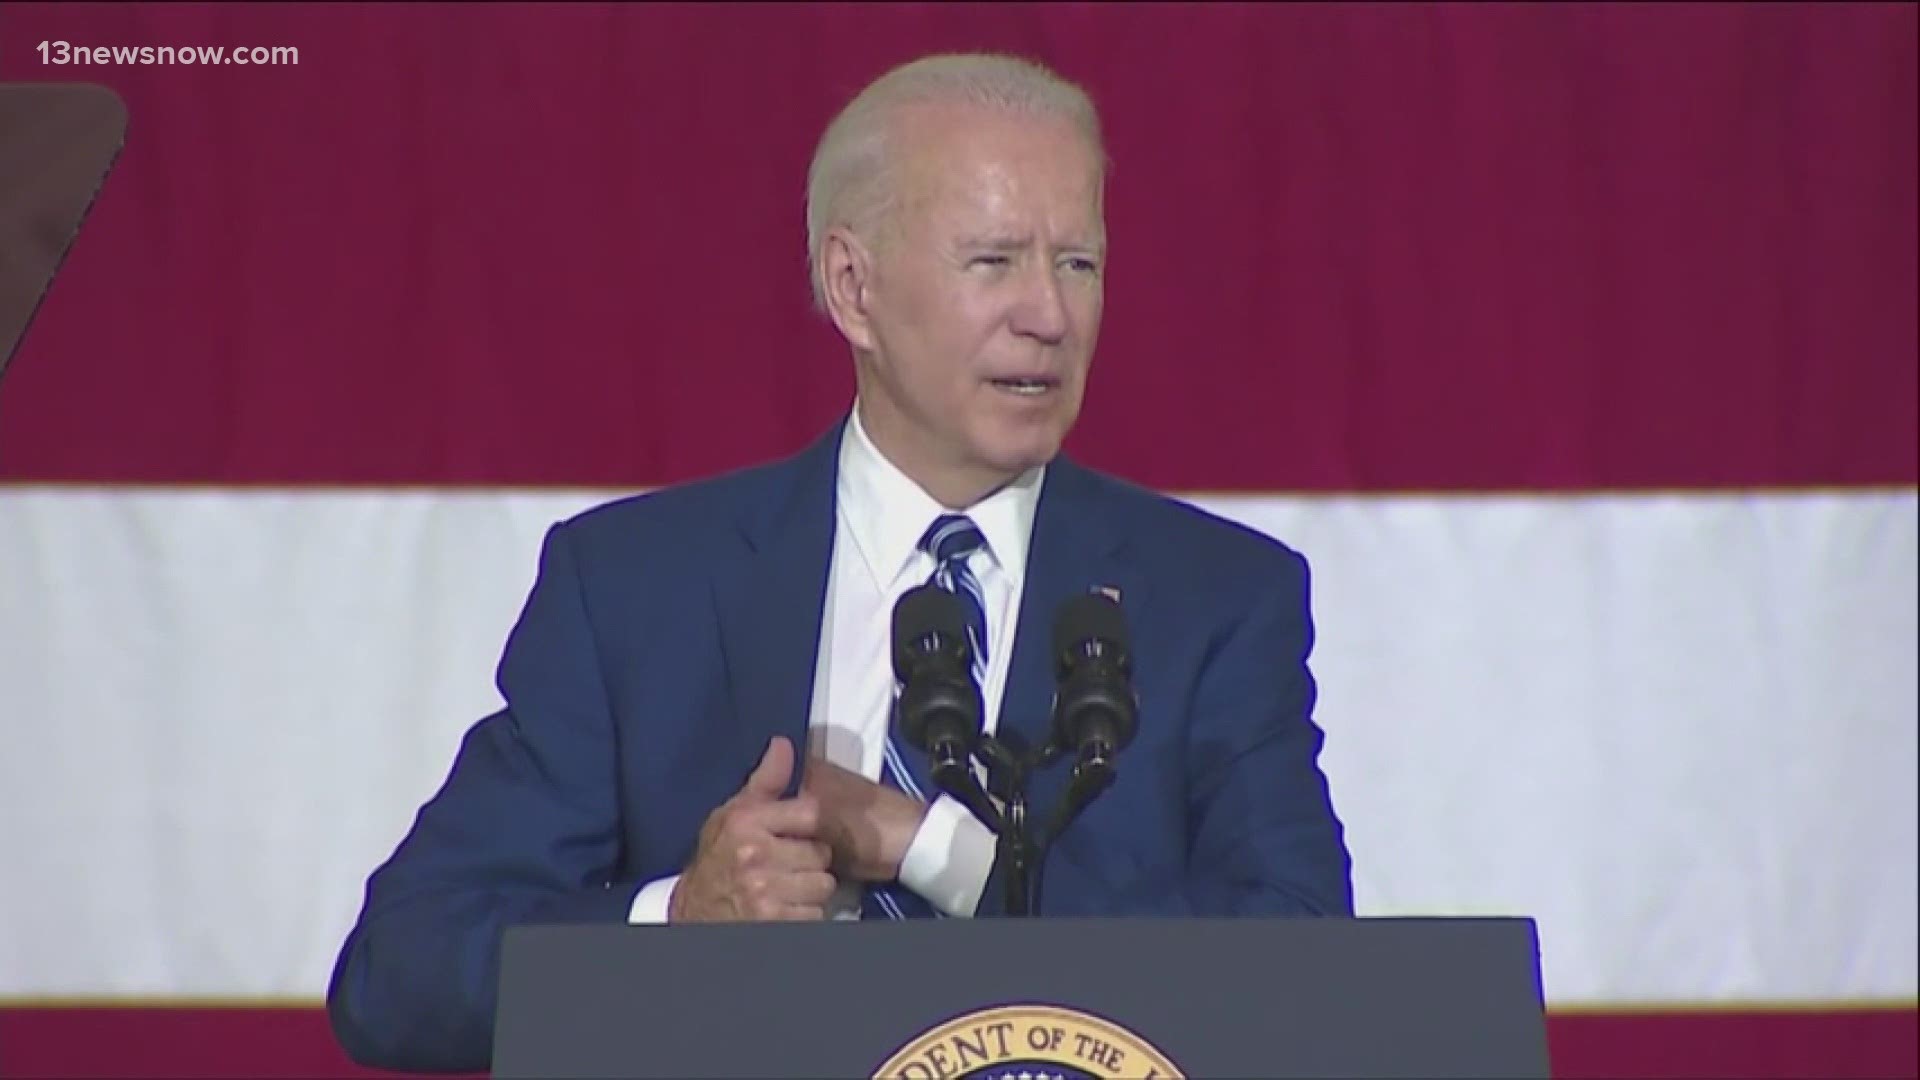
(1084, 266)
(994, 261)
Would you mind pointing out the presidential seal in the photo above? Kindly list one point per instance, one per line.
(1028, 1042)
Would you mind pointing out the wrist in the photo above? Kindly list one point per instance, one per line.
(950, 858)
(913, 822)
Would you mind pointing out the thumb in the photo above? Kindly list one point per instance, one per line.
(770, 777)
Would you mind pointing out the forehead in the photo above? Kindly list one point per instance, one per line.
(970, 169)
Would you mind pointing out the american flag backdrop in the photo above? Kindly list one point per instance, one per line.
(1575, 347)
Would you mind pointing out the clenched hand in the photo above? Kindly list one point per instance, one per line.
(760, 856)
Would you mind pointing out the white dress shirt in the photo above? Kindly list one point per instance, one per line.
(879, 519)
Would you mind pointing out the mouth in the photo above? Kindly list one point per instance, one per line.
(1026, 385)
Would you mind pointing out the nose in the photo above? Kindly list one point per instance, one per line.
(1041, 313)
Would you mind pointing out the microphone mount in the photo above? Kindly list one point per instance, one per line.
(1095, 716)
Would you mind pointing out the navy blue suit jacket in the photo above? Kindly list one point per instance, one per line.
(669, 636)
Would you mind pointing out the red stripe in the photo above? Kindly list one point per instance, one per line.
(269, 1043)
(1857, 1044)
(1458, 247)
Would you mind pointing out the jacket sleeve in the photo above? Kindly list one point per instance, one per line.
(1267, 840)
(525, 829)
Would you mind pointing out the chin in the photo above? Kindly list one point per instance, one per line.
(1010, 444)
(1019, 455)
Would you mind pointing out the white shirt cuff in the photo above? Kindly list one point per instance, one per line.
(650, 903)
(950, 858)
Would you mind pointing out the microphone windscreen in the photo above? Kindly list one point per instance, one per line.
(1088, 618)
(925, 610)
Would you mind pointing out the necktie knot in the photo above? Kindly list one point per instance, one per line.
(952, 538)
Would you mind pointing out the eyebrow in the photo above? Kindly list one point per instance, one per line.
(1013, 243)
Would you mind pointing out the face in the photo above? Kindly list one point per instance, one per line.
(974, 312)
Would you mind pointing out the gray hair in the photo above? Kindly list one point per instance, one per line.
(847, 184)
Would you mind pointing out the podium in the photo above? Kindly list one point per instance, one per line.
(1011, 998)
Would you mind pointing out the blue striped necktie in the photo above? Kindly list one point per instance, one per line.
(951, 540)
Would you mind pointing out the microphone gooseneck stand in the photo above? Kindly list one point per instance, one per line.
(1090, 778)
(1022, 853)
(1008, 771)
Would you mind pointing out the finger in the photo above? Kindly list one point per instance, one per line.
(786, 854)
(770, 777)
(800, 913)
(780, 899)
(804, 887)
(797, 818)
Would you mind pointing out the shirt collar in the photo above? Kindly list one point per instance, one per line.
(887, 513)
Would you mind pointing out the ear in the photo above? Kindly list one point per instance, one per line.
(846, 267)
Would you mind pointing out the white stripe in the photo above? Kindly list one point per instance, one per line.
(947, 532)
(971, 587)
(1678, 730)
(902, 776)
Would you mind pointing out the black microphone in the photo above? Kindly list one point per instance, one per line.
(939, 711)
(1095, 712)
(939, 708)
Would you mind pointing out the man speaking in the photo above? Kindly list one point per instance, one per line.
(700, 687)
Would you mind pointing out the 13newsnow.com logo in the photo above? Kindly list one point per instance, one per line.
(1028, 1042)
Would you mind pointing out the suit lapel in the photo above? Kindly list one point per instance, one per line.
(770, 610)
